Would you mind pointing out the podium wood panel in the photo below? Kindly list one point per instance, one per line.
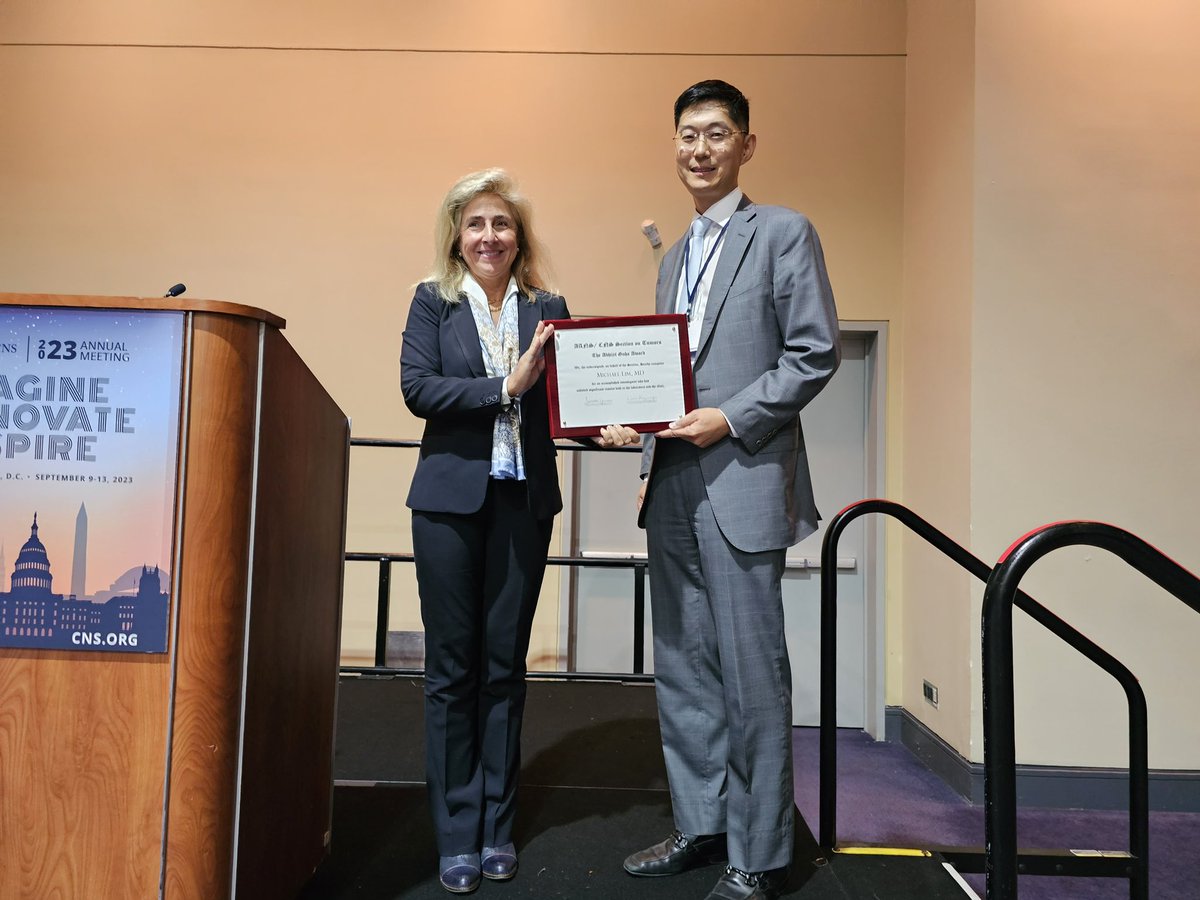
(205, 772)
(291, 679)
(83, 743)
(212, 588)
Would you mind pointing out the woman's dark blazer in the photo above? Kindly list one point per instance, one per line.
(443, 381)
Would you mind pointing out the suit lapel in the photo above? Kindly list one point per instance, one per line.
(668, 291)
(462, 320)
(738, 233)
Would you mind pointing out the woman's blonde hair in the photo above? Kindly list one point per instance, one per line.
(448, 265)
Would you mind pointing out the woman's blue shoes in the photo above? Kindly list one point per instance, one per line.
(460, 874)
(499, 863)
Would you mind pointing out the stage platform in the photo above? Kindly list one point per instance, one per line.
(593, 790)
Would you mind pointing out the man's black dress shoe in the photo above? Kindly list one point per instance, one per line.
(738, 885)
(459, 874)
(678, 853)
(499, 863)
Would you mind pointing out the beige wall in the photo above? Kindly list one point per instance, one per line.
(1017, 198)
(1049, 313)
(292, 156)
(930, 639)
(1085, 359)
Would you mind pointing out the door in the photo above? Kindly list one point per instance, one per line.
(599, 611)
(835, 432)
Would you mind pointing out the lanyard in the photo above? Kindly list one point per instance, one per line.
(687, 252)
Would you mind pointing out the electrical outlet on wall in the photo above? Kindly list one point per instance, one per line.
(931, 693)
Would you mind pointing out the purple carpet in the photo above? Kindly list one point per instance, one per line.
(886, 796)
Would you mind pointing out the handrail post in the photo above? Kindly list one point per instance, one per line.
(827, 796)
(999, 737)
(827, 790)
(382, 611)
(1139, 799)
(639, 618)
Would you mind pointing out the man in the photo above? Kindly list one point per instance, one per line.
(726, 490)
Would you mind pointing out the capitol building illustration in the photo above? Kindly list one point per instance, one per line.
(32, 615)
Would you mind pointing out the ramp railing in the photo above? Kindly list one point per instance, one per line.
(1112, 864)
(1003, 862)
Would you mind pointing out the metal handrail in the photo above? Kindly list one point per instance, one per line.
(999, 736)
(384, 582)
(558, 445)
(1137, 867)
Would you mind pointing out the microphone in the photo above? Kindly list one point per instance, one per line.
(650, 230)
(175, 290)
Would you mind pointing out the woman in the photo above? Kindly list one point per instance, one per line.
(484, 496)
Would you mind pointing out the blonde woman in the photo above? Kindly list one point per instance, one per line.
(483, 500)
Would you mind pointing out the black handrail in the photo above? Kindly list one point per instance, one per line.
(558, 445)
(1138, 869)
(999, 736)
(383, 601)
(383, 610)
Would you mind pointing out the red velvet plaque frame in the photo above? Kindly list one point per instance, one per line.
(558, 430)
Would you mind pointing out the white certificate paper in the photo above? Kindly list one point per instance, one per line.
(628, 374)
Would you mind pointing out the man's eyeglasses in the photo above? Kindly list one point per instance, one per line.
(716, 138)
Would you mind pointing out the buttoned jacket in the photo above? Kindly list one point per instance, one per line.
(444, 382)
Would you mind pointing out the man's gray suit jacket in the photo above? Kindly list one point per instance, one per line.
(768, 344)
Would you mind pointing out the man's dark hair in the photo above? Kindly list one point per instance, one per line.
(720, 92)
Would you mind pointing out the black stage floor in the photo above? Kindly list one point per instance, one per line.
(593, 790)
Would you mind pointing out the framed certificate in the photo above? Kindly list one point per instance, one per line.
(628, 370)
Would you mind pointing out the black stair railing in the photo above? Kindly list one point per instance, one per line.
(1133, 865)
(1002, 863)
(638, 567)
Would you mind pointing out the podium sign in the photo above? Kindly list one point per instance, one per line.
(150, 433)
(89, 436)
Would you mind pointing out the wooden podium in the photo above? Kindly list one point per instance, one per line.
(204, 772)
